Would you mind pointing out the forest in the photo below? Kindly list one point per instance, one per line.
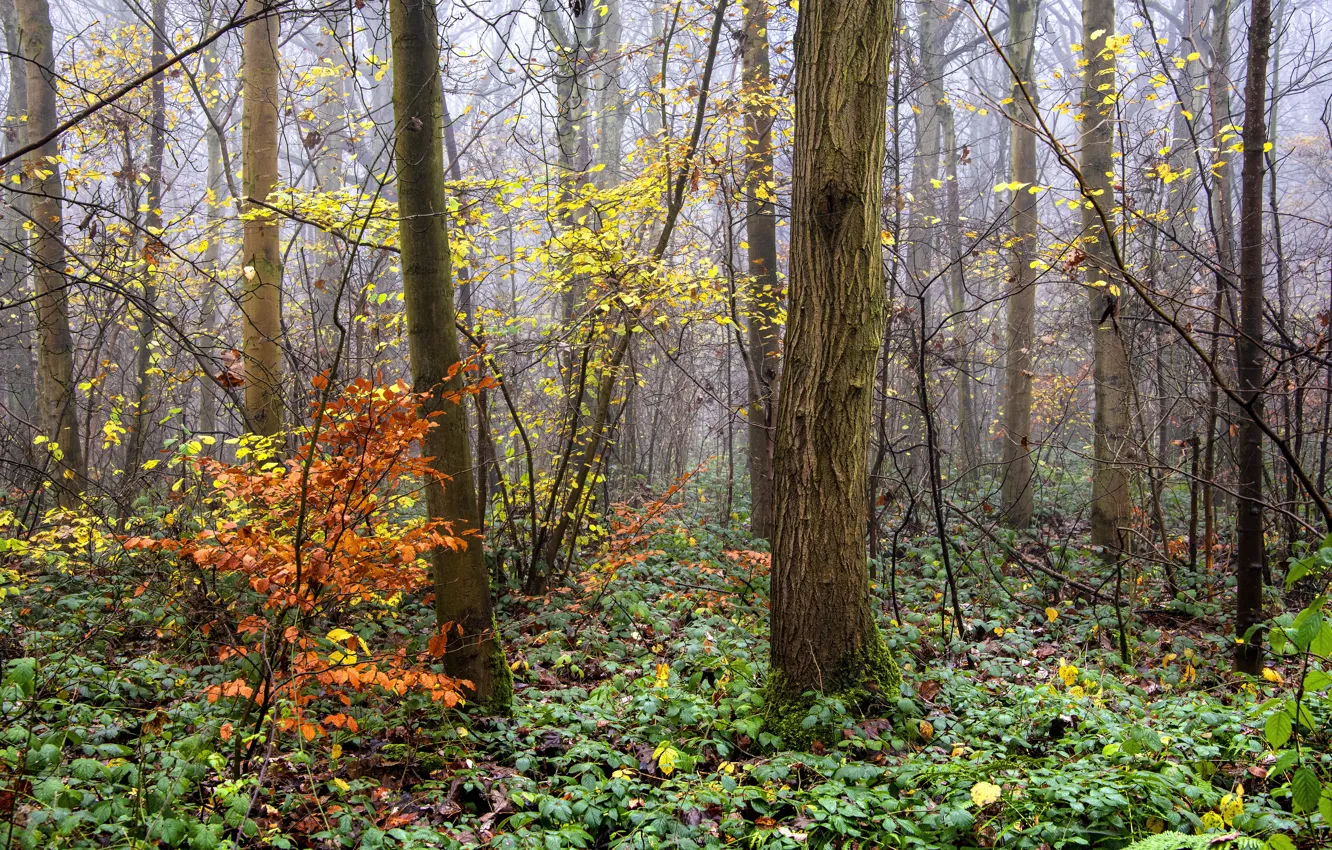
(666, 423)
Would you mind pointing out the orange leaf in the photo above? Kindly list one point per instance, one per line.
(438, 644)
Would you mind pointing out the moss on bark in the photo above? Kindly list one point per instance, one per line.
(501, 694)
(866, 678)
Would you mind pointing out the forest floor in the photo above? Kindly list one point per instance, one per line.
(637, 721)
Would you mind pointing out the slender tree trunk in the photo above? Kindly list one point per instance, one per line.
(326, 142)
(462, 582)
(153, 247)
(764, 302)
(261, 295)
(208, 423)
(55, 344)
(1223, 229)
(1017, 466)
(823, 632)
(1110, 423)
(1250, 552)
(968, 433)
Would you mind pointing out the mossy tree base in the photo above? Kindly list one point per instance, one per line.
(500, 701)
(867, 678)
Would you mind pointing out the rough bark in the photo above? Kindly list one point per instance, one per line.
(462, 583)
(261, 290)
(1021, 318)
(1110, 419)
(55, 345)
(764, 301)
(1250, 554)
(824, 637)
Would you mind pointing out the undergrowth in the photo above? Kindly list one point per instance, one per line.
(638, 720)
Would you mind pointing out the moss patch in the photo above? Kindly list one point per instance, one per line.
(867, 678)
(501, 694)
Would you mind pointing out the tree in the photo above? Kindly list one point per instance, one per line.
(824, 637)
(16, 361)
(764, 288)
(1017, 466)
(1250, 554)
(152, 242)
(55, 345)
(261, 295)
(462, 583)
(1113, 382)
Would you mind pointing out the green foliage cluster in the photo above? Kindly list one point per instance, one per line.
(641, 719)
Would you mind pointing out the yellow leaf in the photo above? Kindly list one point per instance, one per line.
(663, 675)
(985, 793)
(342, 785)
(1051, 614)
(338, 635)
(337, 751)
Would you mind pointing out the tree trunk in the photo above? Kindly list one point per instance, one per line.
(212, 265)
(261, 294)
(968, 460)
(55, 345)
(326, 143)
(19, 381)
(1250, 554)
(764, 288)
(1017, 465)
(1110, 422)
(823, 632)
(462, 583)
(152, 245)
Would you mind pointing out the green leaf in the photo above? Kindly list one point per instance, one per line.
(1280, 842)
(1322, 645)
(22, 672)
(1307, 626)
(1316, 680)
(172, 831)
(1285, 761)
(1305, 790)
(202, 837)
(1325, 806)
(1277, 638)
(1298, 570)
(1277, 729)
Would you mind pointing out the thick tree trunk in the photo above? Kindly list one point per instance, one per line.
(261, 295)
(55, 345)
(1250, 552)
(1017, 465)
(1110, 422)
(823, 632)
(462, 583)
(19, 379)
(764, 302)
